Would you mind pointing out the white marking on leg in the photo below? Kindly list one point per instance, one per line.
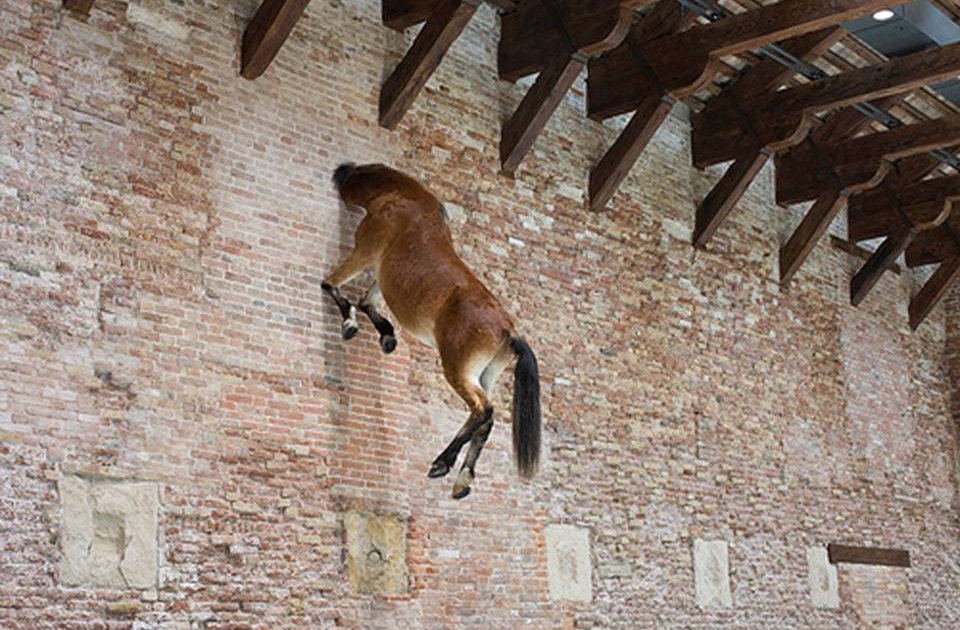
(351, 322)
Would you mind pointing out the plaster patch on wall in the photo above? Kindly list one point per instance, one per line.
(376, 554)
(109, 533)
(568, 563)
(711, 574)
(822, 578)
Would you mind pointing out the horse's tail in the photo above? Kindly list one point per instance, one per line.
(343, 172)
(526, 408)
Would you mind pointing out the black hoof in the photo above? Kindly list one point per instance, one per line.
(350, 331)
(461, 493)
(439, 469)
(388, 343)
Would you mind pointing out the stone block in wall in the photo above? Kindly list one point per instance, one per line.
(822, 578)
(376, 554)
(108, 533)
(568, 563)
(711, 572)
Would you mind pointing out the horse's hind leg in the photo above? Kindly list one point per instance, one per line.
(368, 305)
(445, 460)
(480, 413)
(488, 378)
(468, 471)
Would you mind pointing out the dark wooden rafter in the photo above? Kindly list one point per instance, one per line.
(80, 6)
(848, 554)
(857, 162)
(891, 248)
(842, 124)
(813, 226)
(782, 119)
(738, 177)
(871, 272)
(680, 64)
(657, 64)
(789, 117)
(765, 76)
(265, 34)
(554, 38)
(402, 14)
(443, 27)
(666, 18)
(934, 289)
(876, 213)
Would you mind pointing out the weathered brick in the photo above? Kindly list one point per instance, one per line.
(164, 227)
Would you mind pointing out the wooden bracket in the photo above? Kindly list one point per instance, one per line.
(443, 27)
(846, 554)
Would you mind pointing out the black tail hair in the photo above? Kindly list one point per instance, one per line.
(343, 172)
(526, 408)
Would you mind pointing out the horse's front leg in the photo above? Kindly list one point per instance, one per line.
(369, 304)
(355, 264)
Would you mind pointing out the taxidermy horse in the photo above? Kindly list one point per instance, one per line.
(404, 238)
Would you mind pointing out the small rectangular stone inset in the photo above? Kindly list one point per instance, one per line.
(568, 563)
(109, 533)
(376, 554)
(711, 574)
(822, 577)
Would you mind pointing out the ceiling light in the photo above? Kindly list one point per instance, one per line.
(884, 15)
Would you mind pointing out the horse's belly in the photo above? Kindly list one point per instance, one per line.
(412, 311)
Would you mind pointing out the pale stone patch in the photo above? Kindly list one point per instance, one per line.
(154, 20)
(822, 578)
(568, 563)
(376, 554)
(711, 574)
(109, 533)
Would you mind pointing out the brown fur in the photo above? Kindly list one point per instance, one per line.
(404, 238)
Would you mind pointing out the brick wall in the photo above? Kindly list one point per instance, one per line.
(165, 225)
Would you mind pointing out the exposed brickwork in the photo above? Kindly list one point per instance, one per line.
(165, 225)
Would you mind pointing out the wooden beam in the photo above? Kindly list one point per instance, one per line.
(881, 212)
(443, 28)
(890, 250)
(570, 31)
(539, 31)
(860, 252)
(681, 64)
(80, 6)
(770, 75)
(846, 554)
(402, 14)
(665, 18)
(807, 169)
(610, 172)
(785, 116)
(933, 246)
(795, 252)
(266, 33)
(520, 132)
(726, 194)
(875, 213)
(933, 291)
(868, 275)
(767, 75)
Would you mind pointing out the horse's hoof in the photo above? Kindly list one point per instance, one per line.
(350, 330)
(439, 469)
(388, 343)
(461, 492)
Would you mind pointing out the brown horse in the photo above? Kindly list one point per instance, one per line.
(404, 238)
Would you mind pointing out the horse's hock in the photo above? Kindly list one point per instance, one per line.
(188, 443)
